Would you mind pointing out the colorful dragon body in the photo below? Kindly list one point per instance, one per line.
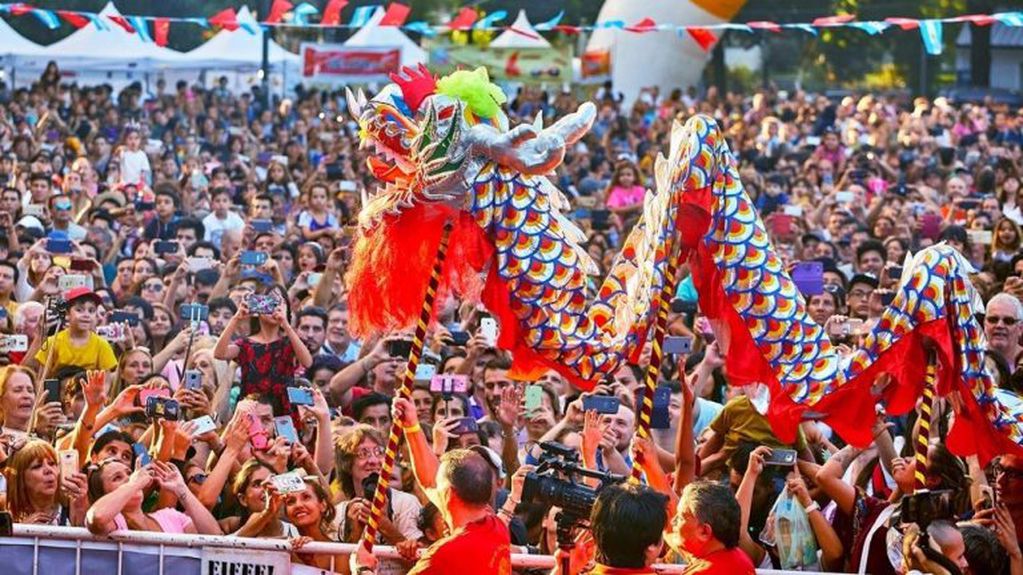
(446, 155)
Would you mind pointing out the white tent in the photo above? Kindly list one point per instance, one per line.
(372, 35)
(237, 49)
(111, 50)
(518, 35)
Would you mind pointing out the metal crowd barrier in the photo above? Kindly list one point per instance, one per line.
(48, 550)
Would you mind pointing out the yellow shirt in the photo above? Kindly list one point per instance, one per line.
(95, 354)
(739, 421)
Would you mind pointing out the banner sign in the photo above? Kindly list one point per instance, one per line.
(596, 64)
(334, 62)
(224, 561)
(509, 64)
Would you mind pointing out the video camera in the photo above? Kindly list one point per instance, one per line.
(555, 483)
(925, 507)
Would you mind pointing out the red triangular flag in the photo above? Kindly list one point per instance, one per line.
(123, 23)
(904, 23)
(332, 13)
(396, 15)
(645, 25)
(226, 19)
(464, 20)
(161, 29)
(568, 29)
(833, 20)
(73, 18)
(764, 25)
(277, 11)
(20, 9)
(978, 19)
(702, 36)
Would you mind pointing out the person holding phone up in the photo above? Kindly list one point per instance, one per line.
(268, 358)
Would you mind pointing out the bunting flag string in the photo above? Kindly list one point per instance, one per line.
(285, 14)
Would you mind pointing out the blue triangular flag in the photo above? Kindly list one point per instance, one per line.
(804, 27)
(550, 24)
(47, 17)
(200, 21)
(361, 16)
(420, 27)
(301, 13)
(610, 24)
(930, 32)
(141, 26)
(489, 20)
(1009, 18)
(873, 27)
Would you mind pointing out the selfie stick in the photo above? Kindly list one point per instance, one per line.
(369, 535)
(653, 371)
(923, 438)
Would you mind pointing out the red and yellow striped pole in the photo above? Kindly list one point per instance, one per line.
(369, 536)
(661, 303)
(923, 437)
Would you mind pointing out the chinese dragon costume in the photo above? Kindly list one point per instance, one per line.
(445, 155)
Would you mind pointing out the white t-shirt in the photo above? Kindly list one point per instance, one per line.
(215, 227)
(132, 166)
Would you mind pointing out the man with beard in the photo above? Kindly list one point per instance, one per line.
(312, 328)
(1002, 327)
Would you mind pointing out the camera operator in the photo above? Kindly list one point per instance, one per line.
(627, 525)
(461, 486)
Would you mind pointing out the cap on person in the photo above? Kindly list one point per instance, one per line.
(864, 279)
(82, 292)
(491, 457)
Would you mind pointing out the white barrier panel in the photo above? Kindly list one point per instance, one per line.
(47, 550)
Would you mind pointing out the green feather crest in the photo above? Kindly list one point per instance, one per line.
(474, 88)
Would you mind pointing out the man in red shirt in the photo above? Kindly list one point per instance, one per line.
(707, 523)
(460, 485)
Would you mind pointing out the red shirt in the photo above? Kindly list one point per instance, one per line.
(606, 570)
(725, 562)
(481, 547)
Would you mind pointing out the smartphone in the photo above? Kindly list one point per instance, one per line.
(449, 383)
(122, 316)
(58, 246)
(162, 408)
(488, 327)
(794, 211)
(80, 265)
(660, 417)
(399, 348)
(145, 394)
(204, 424)
(599, 219)
(193, 379)
(844, 197)
(290, 482)
(113, 332)
(347, 186)
(37, 210)
(534, 398)
(425, 372)
(677, 345)
(261, 304)
(198, 264)
(895, 273)
(257, 435)
(887, 298)
(459, 337)
(809, 277)
(252, 258)
(141, 454)
(300, 396)
(982, 237)
(466, 425)
(68, 282)
(193, 312)
(601, 404)
(262, 226)
(969, 204)
(53, 390)
(783, 457)
(165, 247)
(285, 427)
(314, 279)
(68, 462)
(851, 326)
(17, 342)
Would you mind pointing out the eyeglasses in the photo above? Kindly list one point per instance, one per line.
(367, 452)
(153, 287)
(996, 319)
(1009, 472)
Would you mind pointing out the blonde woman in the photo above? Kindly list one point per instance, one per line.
(37, 493)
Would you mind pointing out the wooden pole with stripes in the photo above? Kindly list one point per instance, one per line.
(923, 437)
(369, 535)
(661, 303)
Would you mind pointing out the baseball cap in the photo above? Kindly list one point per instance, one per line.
(491, 457)
(82, 292)
(864, 279)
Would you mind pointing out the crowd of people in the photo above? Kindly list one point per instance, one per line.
(174, 328)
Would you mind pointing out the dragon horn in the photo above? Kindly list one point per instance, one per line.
(354, 105)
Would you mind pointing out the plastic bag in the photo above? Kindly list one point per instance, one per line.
(788, 530)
